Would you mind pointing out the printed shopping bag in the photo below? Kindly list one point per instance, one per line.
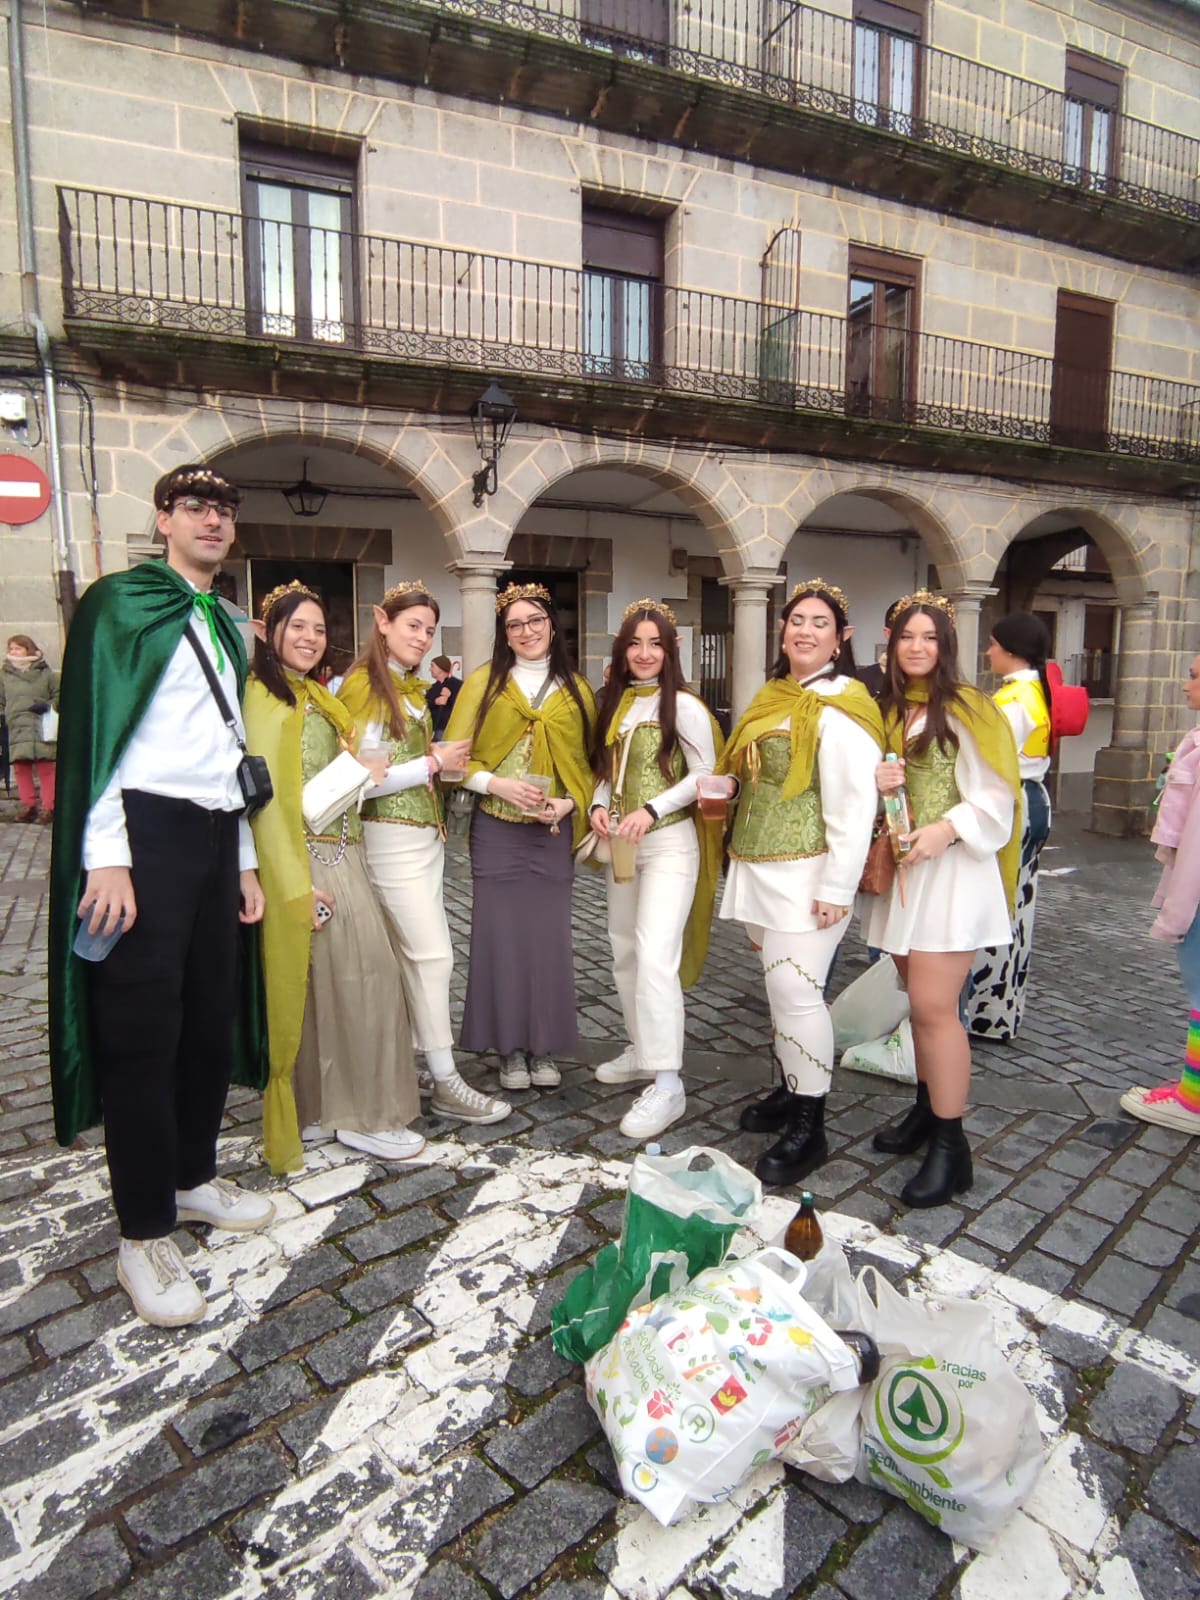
(711, 1380)
(681, 1215)
(893, 1056)
(947, 1425)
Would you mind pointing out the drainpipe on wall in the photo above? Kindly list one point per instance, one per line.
(64, 575)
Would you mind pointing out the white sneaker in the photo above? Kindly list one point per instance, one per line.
(543, 1074)
(514, 1074)
(653, 1111)
(396, 1144)
(153, 1274)
(625, 1068)
(454, 1097)
(314, 1133)
(225, 1206)
(1163, 1107)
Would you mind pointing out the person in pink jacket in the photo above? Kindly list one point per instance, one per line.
(1177, 835)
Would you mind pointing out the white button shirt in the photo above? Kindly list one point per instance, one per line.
(182, 750)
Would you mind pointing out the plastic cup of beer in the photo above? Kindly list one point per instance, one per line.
(624, 858)
(538, 782)
(450, 773)
(712, 795)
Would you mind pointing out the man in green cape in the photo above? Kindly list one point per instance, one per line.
(150, 846)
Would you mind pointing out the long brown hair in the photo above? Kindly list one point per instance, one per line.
(267, 667)
(670, 681)
(944, 682)
(503, 657)
(374, 658)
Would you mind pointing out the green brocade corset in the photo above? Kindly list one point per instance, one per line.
(932, 790)
(516, 765)
(768, 828)
(319, 745)
(643, 776)
(420, 806)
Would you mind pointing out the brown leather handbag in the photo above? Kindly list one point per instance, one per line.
(879, 869)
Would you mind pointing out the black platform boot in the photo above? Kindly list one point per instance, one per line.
(946, 1170)
(802, 1148)
(911, 1132)
(769, 1115)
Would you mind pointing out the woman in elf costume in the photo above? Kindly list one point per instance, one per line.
(340, 1038)
(953, 891)
(655, 738)
(1017, 652)
(528, 716)
(405, 834)
(804, 754)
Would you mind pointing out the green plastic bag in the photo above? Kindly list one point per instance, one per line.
(681, 1215)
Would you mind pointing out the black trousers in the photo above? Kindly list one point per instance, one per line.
(162, 1006)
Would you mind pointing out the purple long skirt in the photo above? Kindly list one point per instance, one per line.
(521, 978)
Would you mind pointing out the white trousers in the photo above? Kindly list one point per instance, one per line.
(406, 866)
(795, 966)
(646, 919)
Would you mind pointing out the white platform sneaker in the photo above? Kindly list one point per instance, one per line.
(156, 1279)
(625, 1068)
(224, 1205)
(396, 1144)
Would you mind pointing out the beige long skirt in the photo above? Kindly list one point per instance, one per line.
(354, 1068)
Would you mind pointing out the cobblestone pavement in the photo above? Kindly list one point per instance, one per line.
(373, 1406)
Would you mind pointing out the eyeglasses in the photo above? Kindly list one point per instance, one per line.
(200, 508)
(530, 625)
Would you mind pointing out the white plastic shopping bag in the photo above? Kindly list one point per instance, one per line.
(871, 1007)
(947, 1426)
(893, 1056)
(713, 1379)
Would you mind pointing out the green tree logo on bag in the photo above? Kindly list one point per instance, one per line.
(918, 1421)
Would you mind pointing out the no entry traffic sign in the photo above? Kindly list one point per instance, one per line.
(24, 490)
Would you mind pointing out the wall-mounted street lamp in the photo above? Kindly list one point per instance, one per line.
(491, 421)
(305, 498)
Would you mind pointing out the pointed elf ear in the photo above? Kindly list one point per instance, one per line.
(260, 629)
(381, 617)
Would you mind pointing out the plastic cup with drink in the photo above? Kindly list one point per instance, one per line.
(536, 780)
(712, 794)
(453, 768)
(624, 856)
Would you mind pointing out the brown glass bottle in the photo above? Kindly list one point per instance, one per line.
(804, 1238)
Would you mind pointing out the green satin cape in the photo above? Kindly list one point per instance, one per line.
(123, 635)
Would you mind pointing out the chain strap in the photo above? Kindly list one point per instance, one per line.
(335, 861)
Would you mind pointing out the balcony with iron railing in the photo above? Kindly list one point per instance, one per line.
(147, 273)
(803, 56)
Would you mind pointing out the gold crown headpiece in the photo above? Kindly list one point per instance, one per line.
(522, 591)
(819, 586)
(924, 597)
(409, 586)
(269, 601)
(660, 606)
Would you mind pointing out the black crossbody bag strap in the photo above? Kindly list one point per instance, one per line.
(214, 683)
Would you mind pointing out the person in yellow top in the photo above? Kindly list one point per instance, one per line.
(804, 754)
(1017, 652)
(341, 1058)
(528, 716)
(404, 830)
(654, 740)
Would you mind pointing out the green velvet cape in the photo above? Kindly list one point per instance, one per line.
(123, 635)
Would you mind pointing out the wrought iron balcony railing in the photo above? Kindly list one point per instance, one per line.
(149, 264)
(807, 57)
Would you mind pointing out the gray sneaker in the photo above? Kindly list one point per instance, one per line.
(543, 1074)
(454, 1097)
(514, 1074)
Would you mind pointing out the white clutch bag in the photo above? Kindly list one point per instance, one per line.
(336, 788)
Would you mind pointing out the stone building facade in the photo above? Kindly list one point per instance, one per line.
(891, 290)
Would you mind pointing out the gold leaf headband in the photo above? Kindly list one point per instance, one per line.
(269, 601)
(409, 586)
(660, 606)
(926, 598)
(522, 591)
(819, 586)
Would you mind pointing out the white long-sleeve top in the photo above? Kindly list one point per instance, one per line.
(694, 729)
(956, 902)
(182, 750)
(403, 774)
(530, 676)
(780, 894)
